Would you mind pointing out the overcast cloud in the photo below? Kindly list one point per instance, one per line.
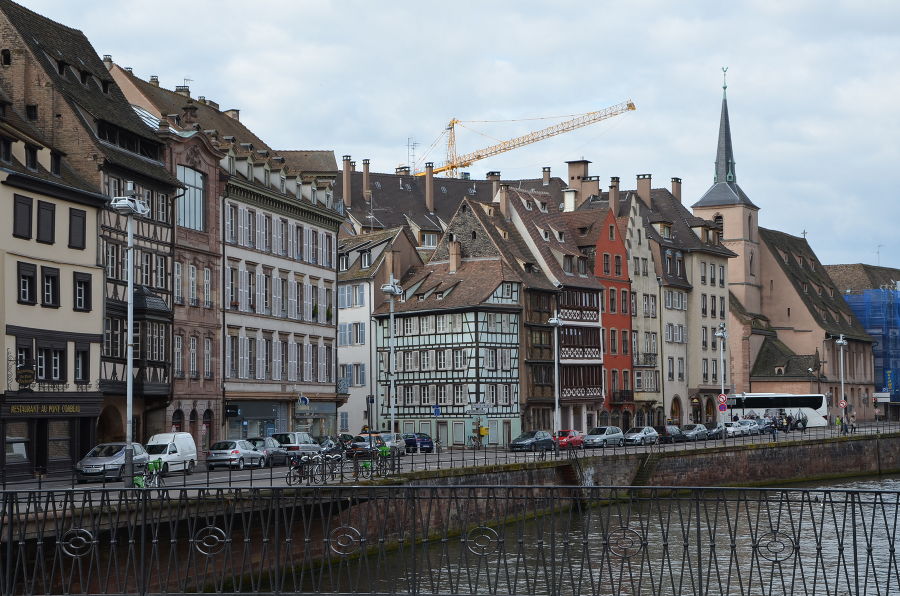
(813, 89)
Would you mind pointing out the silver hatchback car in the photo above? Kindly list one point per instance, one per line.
(106, 461)
(604, 436)
(236, 453)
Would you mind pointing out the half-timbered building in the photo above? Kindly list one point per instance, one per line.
(59, 83)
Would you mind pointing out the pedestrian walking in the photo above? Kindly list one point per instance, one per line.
(853, 422)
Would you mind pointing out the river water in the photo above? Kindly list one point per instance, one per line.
(836, 538)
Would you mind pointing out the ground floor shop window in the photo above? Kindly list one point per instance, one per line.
(18, 436)
(59, 434)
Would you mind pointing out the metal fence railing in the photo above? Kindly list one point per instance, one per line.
(352, 470)
(450, 540)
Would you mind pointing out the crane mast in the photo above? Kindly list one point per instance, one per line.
(455, 162)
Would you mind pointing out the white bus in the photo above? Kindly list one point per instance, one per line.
(810, 408)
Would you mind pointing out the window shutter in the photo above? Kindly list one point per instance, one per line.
(227, 355)
(307, 365)
(306, 244)
(228, 222)
(22, 216)
(292, 299)
(321, 371)
(322, 305)
(290, 240)
(77, 228)
(259, 292)
(242, 226)
(226, 300)
(321, 248)
(244, 360)
(276, 295)
(276, 359)
(260, 358)
(276, 236)
(260, 218)
(362, 333)
(307, 301)
(398, 360)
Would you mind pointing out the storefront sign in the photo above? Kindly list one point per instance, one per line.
(32, 409)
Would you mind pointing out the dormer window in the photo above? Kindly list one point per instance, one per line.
(612, 232)
(343, 262)
(582, 266)
(429, 239)
(542, 206)
(365, 259)
(282, 183)
(31, 158)
(567, 263)
(85, 77)
(5, 149)
(55, 163)
(545, 234)
(61, 67)
(266, 179)
(105, 86)
(560, 236)
(31, 112)
(249, 170)
(231, 164)
(666, 231)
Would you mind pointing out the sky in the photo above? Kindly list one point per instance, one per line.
(813, 90)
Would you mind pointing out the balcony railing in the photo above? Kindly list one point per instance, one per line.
(575, 314)
(621, 396)
(645, 359)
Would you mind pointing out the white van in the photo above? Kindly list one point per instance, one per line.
(177, 451)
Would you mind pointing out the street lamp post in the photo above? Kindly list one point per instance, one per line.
(129, 206)
(722, 335)
(841, 342)
(392, 289)
(555, 322)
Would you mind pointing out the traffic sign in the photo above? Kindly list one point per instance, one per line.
(437, 410)
(842, 403)
(723, 399)
(723, 408)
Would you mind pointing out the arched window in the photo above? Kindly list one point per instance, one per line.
(5, 57)
(751, 263)
(177, 421)
(750, 227)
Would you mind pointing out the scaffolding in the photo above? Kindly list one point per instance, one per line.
(879, 312)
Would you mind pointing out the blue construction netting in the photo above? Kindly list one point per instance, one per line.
(879, 312)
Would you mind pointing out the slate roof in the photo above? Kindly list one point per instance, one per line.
(145, 300)
(400, 199)
(49, 42)
(828, 307)
(774, 354)
(369, 240)
(859, 276)
(310, 161)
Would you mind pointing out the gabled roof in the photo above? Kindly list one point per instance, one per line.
(535, 220)
(367, 241)
(52, 43)
(813, 284)
(775, 359)
(858, 277)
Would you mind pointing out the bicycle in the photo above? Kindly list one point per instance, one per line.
(475, 442)
(153, 477)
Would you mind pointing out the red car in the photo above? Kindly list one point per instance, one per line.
(569, 439)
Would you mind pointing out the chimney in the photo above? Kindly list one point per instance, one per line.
(389, 263)
(578, 170)
(212, 104)
(591, 187)
(201, 99)
(154, 80)
(233, 113)
(163, 125)
(184, 90)
(676, 188)
(366, 192)
(107, 61)
(429, 186)
(494, 178)
(643, 188)
(464, 176)
(569, 197)
(129, 70)
(402, 170)
(345, 177)
(455, 257)
(546, 176)
(614, 195)
(503, 197)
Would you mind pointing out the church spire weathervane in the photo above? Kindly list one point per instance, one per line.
(724, 80)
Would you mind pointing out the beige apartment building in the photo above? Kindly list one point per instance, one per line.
(52, 309)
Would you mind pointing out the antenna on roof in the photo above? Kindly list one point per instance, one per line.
(186, 81)
(878, 254)
(411, 145)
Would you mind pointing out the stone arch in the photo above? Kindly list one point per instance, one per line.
(626, 419)
(207, 435)
(603, 419)
(659, 416)
(710, 410)
(675, 410)
(639, 418)
(193, 425)
(110, 426)
(177, 421)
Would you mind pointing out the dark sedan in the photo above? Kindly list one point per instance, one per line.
(418, 443)
(275, 454)
(533, 440)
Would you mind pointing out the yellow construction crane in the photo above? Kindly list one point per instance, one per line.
(454, 162)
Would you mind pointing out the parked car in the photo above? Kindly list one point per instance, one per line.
(641, 435)
(418, 443)
(695, 432)
(106, 461)
(750, 427)
(669, 433)
(533, 440)
(237, 453)
(569, 439)
(395, 441)
(365, 444)
(604, 436)
(730, 429)
(274, 453)
(297, 443)
(176, 450)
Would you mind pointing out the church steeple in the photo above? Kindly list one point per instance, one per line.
(725, 189)
(724, 151)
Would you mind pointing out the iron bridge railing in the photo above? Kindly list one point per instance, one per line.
(450, 540)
